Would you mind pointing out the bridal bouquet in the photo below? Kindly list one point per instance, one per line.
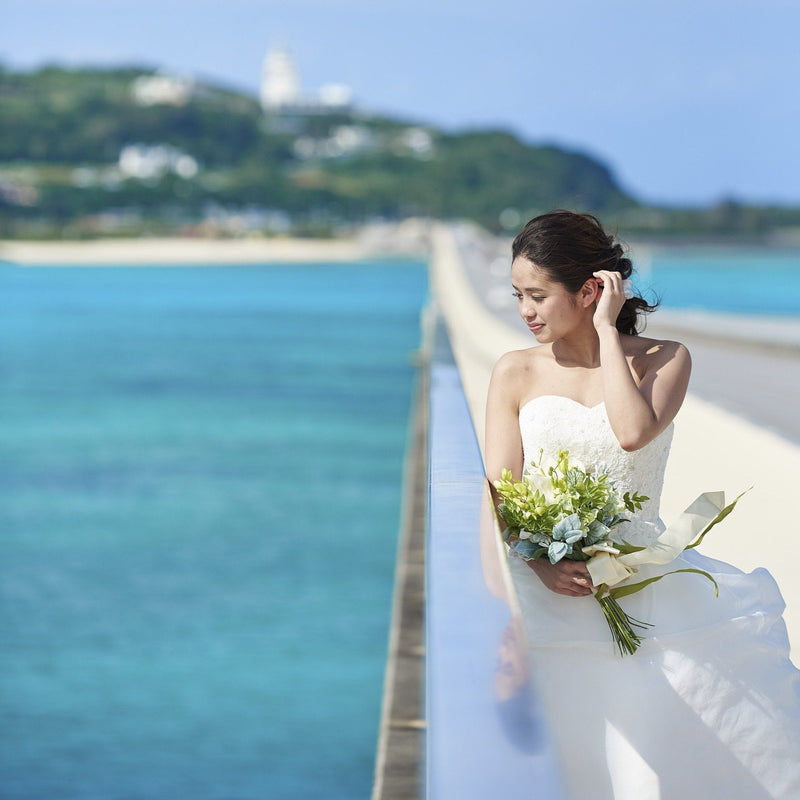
(566, 511)
(559, 511)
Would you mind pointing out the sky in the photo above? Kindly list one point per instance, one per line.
(688, 102)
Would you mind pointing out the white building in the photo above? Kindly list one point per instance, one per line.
(161, 89)
(148, 162)
(280, 83)
(281, 90)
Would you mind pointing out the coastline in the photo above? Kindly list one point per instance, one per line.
(409, 238)
(177, 252)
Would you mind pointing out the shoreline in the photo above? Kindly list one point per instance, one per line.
(407, 239)
(178, 252)
(411, 238)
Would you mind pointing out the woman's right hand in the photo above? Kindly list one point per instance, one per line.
(564, 577)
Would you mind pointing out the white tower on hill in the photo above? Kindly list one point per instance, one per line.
(280, 84)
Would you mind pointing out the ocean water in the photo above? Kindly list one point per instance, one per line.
(761, 281)
(200, 486)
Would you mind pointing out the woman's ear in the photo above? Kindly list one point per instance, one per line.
(590, 292)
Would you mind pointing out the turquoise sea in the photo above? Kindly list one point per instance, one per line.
(200, 475)
(200, 480)
(762, 281)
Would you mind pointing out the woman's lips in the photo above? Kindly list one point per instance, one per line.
(535, 327)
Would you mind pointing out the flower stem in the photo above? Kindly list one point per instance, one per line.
(621, 624)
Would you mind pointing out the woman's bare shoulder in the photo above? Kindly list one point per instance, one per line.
(517, 365)
(654, 357)
(657, 350)
(513, 375)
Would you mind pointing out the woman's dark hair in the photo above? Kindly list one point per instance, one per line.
(569, 247)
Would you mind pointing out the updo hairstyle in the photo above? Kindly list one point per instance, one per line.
(569, 247)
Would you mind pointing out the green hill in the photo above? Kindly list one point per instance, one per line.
(81, 153)
(129, 151)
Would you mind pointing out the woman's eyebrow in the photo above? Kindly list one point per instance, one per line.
(536, 289)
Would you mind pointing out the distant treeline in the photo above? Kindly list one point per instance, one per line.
(90, 152)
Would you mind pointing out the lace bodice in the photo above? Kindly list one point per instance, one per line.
(552, 423)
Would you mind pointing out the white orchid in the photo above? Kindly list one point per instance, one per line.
(540, 482)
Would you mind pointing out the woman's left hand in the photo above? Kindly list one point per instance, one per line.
(611, 298)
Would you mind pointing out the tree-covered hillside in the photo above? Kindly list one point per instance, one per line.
(130, 151)
(82, 150)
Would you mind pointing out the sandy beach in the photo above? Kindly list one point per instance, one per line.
(173, 252)
(713, 448)
(407, 238)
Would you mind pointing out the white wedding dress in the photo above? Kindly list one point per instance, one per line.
(709, 706)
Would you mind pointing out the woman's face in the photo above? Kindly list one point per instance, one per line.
(548, 309)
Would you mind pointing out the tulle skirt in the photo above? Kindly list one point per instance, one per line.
(708, 706)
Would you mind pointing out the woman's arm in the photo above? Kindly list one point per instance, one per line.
(503, 450)
(503, 443)
(637, 412)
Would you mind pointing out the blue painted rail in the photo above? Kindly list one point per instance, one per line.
(485, 734)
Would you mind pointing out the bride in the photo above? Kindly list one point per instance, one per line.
(709, 705)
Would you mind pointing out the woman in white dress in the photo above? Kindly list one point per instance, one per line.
(709, 705)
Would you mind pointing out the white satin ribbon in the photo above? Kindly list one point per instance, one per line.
(611, 568)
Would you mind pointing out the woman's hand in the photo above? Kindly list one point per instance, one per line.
(564, 577)
(611, 298)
